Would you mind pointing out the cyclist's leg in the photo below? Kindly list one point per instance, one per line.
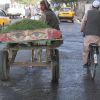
(87, 40)
(85, 49)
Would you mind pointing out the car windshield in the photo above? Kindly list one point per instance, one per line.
(2, 13)
(64, 9)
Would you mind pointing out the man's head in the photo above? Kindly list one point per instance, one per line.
(96, 4)
(44, 5)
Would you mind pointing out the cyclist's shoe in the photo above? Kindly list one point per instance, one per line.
(86, 66)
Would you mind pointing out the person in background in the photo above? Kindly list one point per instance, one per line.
(27, 12)
(48, 16)
(90, 27)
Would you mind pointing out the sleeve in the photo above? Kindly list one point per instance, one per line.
(43, 18)
(84, 20)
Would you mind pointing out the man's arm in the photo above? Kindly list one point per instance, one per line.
(83, 23)
(43, 18)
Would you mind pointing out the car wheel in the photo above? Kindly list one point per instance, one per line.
(72, 20)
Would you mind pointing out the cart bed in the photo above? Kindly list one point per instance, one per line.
(46, 42)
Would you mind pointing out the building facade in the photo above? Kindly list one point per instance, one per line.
(4, 4)
(82, 6)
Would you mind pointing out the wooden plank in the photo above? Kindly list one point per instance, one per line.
(26, 64)
(28, 48)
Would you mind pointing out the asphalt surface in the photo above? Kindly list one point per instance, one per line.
(35, 83)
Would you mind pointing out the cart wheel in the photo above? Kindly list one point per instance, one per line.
(72, 20)
(4, 66)
(55, 65)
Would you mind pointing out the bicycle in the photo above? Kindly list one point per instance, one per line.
(93, 59)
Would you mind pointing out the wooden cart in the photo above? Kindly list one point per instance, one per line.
(8, 52)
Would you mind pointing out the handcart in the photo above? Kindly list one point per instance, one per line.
(44, 54)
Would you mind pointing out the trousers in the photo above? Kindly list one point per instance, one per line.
(87, 40)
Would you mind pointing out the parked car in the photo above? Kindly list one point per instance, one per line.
(4, 19)
(66, 13)
(14, 12)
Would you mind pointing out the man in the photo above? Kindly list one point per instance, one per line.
(48, 16)
(91, 28)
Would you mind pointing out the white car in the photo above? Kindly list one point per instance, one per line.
(16, 11)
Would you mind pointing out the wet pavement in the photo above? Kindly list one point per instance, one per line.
(35, 83)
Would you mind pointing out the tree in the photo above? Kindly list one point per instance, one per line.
(63, 1)
(26, 1)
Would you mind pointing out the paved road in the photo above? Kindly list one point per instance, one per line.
(35, 84)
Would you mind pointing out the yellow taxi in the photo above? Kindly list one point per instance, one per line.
(66, 13)
(4, 20)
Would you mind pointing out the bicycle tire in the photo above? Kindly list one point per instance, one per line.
(92, 69)
(93, 59)
(92, 65)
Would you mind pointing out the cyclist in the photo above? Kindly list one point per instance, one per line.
(90, 27)
(48, 16)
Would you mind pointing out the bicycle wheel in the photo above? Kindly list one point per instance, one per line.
(92, 71)
(93, 59)
(93, 64)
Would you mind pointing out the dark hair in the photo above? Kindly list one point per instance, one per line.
(95, 7)
(45, 2)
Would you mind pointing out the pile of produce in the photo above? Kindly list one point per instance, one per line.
(25, 24)
(28, 30)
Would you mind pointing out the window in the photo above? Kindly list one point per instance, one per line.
(2, 13)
